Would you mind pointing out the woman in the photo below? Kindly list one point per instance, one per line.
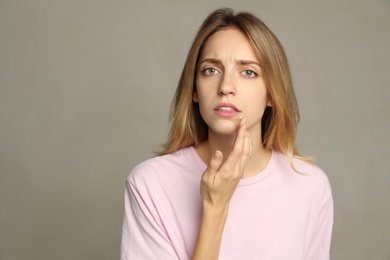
(230, 183)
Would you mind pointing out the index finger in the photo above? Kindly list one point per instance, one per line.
(238, 147)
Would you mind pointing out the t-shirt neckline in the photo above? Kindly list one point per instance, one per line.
(243, 182)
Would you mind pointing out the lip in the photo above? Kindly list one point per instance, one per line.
(217, 107)
(226, 113)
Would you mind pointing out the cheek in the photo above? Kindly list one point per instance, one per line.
(204, 102)
(255, 103)
(203, 94)
(259, 95)
(205, 105)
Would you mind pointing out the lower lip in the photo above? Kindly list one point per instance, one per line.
(225, 113)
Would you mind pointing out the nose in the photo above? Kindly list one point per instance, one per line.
(226, 86)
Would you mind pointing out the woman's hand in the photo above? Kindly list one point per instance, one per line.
(220, 181)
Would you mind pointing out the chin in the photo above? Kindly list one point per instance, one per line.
(226, 128)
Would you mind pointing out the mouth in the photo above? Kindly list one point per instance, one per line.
(227, 107)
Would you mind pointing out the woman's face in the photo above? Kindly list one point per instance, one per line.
(229, 83)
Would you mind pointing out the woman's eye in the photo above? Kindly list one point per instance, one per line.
(249, 73)
(210, 71)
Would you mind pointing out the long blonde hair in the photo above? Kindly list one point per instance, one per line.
(279, 122)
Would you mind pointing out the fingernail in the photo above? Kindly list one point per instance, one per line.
(217, 155)
(242, 120)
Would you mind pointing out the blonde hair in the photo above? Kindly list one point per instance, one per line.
(279, 122)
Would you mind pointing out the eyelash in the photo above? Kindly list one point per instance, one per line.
(208, 71)
(253, 74)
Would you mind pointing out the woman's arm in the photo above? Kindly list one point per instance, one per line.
(218, 185)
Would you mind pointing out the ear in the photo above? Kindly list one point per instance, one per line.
(195, 97)
(269, 100)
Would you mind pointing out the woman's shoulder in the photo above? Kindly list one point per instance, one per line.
(305, 176)
(305, 169)
(308, 168)
(164, 165)
(313, 176)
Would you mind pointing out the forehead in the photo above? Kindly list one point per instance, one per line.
(229, 42)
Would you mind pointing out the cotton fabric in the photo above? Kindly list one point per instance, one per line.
(276, 214)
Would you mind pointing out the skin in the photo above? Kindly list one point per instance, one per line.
(228, 72)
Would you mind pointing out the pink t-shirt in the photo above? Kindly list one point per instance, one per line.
(275, 215)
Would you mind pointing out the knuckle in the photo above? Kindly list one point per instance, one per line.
(237, 152)
(231, 176)
(246, 153)
(214, 165)
(228, 176)
(205, 182)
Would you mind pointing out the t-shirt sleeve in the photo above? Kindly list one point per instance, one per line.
(143, 234)
(319, 248)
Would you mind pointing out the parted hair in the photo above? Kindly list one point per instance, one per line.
(279, 122)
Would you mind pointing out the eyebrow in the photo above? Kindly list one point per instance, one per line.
(242, 62)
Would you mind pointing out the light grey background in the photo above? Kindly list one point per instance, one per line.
(85, 89)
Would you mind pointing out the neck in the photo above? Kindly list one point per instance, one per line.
(224, 143)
